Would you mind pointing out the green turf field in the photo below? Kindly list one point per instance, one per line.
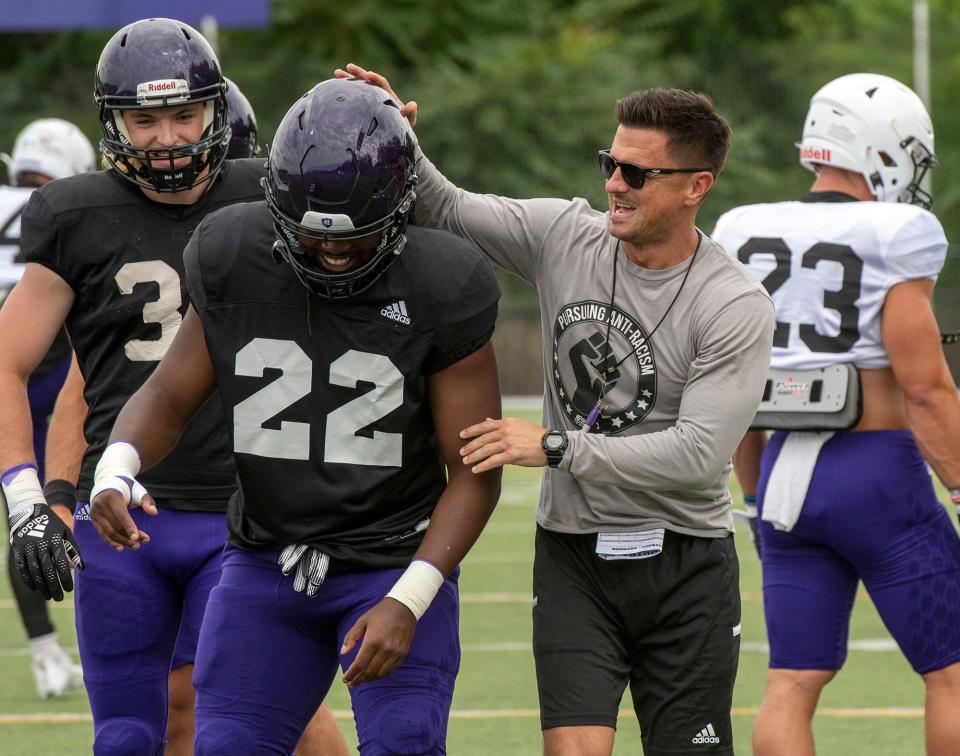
(873, 707)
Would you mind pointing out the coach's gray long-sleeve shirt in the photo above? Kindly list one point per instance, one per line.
(676, 405)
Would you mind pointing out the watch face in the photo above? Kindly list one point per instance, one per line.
(554, 442)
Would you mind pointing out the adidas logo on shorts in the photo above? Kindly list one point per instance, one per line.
(706, 736)
(396, 311)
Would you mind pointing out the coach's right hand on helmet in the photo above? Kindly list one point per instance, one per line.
(353, 71)
(42, 544)
(115, 491)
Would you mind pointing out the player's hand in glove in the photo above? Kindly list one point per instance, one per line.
(749, 516)
(310, 565)
(44, 550)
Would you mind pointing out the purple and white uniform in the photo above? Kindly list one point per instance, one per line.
(870, 512)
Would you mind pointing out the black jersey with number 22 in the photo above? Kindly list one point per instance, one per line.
(326, 400)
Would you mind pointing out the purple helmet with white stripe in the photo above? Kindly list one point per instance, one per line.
(341, 167)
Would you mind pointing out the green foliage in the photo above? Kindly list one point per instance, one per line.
(516, 98)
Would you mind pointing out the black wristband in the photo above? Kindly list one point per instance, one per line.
(62, 493)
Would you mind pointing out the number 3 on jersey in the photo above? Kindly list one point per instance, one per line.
(164, 310)
(341, 443)
(842, 301)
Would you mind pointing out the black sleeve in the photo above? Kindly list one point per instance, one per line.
(191, 267)
(468, 322)
(39, 236)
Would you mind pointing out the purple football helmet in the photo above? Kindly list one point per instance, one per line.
(341, 167)
(243, 124)
(156, 63)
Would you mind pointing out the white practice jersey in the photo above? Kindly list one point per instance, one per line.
(828, 266)
(12, 201)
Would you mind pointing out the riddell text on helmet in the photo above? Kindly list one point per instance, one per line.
(814, 153)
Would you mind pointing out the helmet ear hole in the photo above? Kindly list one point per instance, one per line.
(888, 161)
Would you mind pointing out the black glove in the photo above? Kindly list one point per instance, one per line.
(44, 551)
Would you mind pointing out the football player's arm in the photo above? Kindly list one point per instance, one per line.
(746, 461)
(147, 429)
(459, 395)
(465, 391)
(65, 445)
(911, 337)
(29, 322)
(746, 466)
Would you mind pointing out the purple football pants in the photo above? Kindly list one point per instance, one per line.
(129, 610)
(268, 655)
(870, 514)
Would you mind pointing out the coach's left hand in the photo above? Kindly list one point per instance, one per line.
(385, 633)
(509, 441)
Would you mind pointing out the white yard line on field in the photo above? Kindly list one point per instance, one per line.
(872, 645)
(51, 717)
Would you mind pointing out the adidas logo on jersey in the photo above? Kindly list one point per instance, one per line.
(706, 736)
(397, 311)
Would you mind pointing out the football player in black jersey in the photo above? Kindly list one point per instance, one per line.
(105, 257)
(346, 362)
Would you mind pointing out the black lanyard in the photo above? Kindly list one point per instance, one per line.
(598, 407)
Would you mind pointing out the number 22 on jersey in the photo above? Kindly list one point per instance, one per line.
(341, 442)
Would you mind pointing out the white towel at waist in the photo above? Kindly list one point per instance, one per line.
(790, 477)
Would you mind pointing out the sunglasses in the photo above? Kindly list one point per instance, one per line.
(635, 175)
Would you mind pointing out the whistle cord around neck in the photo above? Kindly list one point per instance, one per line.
(598, 407)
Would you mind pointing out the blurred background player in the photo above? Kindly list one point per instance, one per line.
(243, 124)
(846, 495)
(46, 149)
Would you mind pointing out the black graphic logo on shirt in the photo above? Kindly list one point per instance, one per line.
(581, 356)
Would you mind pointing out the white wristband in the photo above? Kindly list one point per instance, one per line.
(116, 471)
(119, 459)
(417, 587)
(23, 492)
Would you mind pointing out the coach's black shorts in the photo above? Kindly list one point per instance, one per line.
(669, 625)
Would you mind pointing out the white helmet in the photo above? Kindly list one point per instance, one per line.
(872, 125)
(52, 147)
